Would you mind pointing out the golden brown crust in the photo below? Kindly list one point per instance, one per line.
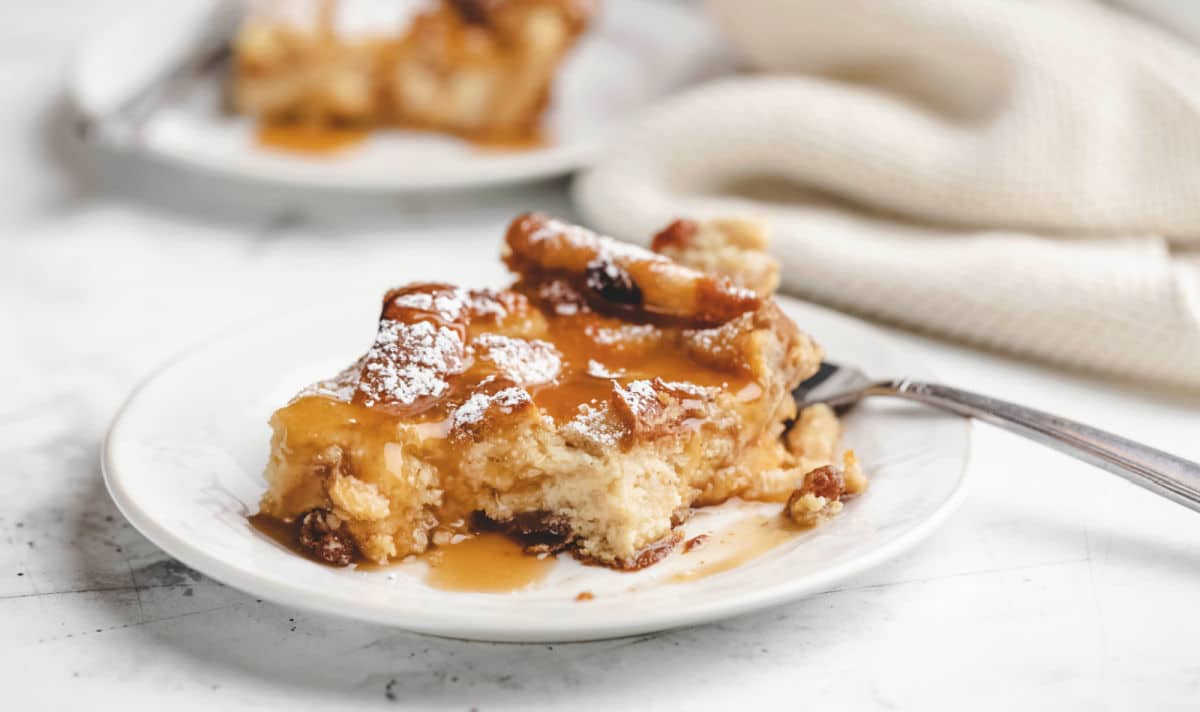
(622, 278)
(818, 496)
(594, 429)
(733, 248)
(677, 235)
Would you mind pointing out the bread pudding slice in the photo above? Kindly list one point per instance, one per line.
(589, 406)
(481, 68)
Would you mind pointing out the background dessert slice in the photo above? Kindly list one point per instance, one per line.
(481, 68)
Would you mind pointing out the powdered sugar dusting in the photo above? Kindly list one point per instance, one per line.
(524, 362)
(485, 302)
(473, 410)
(565, 300)
(595, 369)
(341, 387)
(409, 362)
(581, 238)
(640, 399)
(639, 395)
(685, 387)
(622, 334)
(448, 305)
(593, 424)
(721, 341)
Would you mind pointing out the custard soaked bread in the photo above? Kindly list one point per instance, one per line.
(587, 407)
(481, 68)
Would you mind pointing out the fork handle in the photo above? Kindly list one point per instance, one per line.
(1168, 475)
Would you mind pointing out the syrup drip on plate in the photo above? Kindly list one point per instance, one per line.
(322, 141)
(309, 140)
(488, 562)
(739, 544)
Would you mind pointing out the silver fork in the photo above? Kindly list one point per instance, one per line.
(208, 45)
(1163, 473)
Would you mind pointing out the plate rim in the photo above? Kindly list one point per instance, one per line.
(475, 629)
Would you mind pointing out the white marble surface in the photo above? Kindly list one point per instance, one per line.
(1055, 587)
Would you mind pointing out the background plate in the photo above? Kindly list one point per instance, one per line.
(184, 463)
(636, 52)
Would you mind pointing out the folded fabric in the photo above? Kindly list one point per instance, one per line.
(1019, 175)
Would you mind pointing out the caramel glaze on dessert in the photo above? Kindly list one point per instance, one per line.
(656, 352)
(561, 345)
(584, 357)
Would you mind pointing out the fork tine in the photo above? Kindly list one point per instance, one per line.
(824, 372)
(830, 381)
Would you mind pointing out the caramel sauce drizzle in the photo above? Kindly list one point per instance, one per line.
(739, 544)
(282, 533)
(322, 140)
(430, 329)
(490, 562)
(309, 139)
(598, 353)
(487, 562)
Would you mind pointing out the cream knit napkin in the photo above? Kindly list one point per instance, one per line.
(1021, 175)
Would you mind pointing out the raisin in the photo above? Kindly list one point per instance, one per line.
(473, 12)
(607, 279)
(824, 482)
(538, 532)
(322, 535)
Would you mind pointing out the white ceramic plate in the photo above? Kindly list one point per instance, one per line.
(637, 52)
(184, 462)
